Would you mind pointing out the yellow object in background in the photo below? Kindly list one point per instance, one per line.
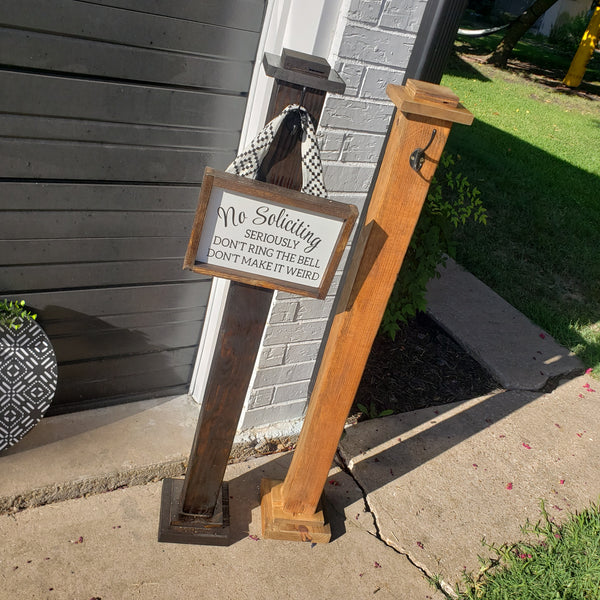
(588, 44)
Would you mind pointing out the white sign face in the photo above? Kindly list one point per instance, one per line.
(267, 239)
(264, 235)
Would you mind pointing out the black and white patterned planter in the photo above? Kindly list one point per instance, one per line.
(28, 376)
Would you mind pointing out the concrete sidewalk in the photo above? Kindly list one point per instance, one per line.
(518, 353)
(420, 491)
(438, 481)
(104, 546)
(412, 494)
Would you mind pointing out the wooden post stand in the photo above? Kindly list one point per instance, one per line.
(423, 119)
(196, 510)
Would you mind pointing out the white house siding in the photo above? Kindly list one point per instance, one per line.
(372, 46)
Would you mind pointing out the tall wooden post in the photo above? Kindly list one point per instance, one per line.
(195, 510)
(421, 124)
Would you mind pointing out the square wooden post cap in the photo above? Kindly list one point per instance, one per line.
(429, 100)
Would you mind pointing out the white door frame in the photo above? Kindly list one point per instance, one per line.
(302, 25)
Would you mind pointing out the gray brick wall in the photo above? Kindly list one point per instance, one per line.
(374, 45)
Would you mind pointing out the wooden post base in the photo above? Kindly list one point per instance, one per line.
(280, 525)
(180, 528)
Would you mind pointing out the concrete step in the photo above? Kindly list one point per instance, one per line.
(94, 451)
(518, 353)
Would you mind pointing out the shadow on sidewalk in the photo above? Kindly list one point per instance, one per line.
(375, 446)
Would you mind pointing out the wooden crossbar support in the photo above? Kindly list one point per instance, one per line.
(394, 209)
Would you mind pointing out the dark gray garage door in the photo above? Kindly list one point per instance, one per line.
(109, 112)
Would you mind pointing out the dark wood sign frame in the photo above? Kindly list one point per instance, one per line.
(272, 196)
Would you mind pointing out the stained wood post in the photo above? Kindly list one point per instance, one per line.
(424, 115)
(196, 510)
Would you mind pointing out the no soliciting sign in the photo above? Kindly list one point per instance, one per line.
(268, 236)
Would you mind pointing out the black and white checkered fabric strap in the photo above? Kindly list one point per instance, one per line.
(248, 161)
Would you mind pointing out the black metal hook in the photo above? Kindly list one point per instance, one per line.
(297, 124)
(302, 95)
(417, 158)
(294, 123)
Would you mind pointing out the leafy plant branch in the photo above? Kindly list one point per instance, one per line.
(13, 313)
(451, 202)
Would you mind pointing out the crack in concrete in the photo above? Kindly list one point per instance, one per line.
(435, 581)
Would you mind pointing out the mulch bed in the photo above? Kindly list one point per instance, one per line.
(423, 367)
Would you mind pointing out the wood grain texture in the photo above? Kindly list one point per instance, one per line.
(279, 525)
(245, 315)
(395, 206)
(85, 57)
(428, 107)
(123, 102)
(233, 13)
(430, 92)
(36, 278)
(42, 196)
(114, 25)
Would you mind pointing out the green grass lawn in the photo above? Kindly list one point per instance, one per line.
(560, 562)
(534, 152)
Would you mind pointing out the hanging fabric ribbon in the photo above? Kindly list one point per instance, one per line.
(248, 162)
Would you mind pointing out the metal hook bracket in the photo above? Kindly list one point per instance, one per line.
(301, 102)
(297, 125)
(417, 158)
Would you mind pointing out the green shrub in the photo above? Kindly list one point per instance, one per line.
(566, 37)
(451, 201)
